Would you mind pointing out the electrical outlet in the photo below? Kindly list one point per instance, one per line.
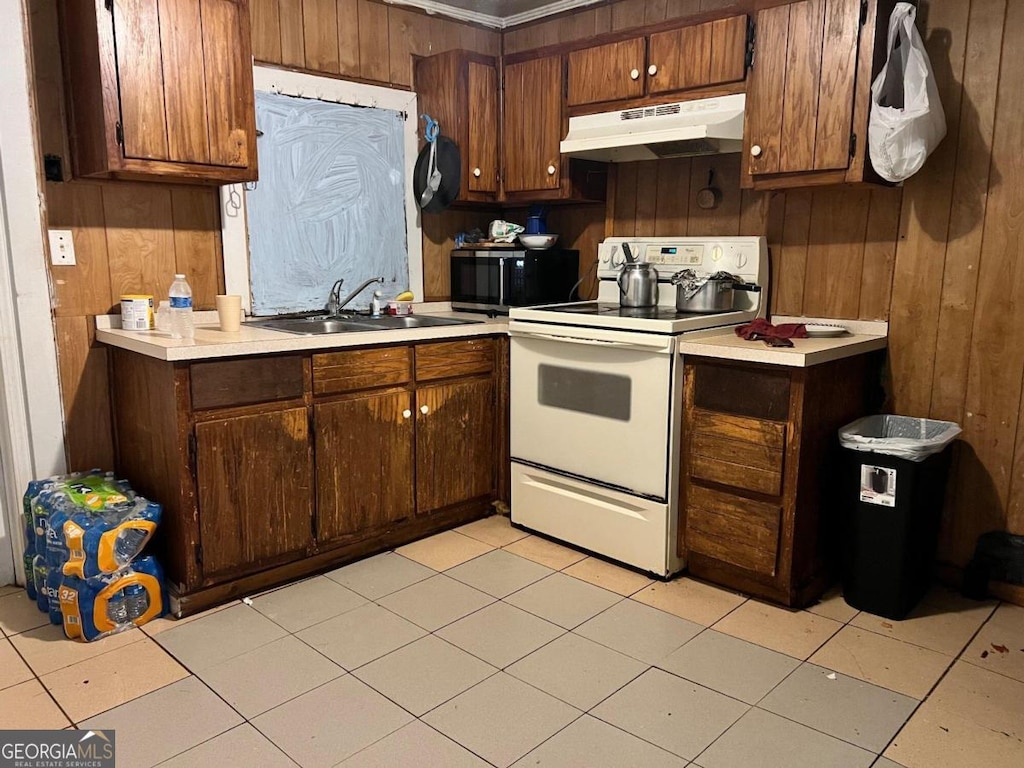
(62, 248)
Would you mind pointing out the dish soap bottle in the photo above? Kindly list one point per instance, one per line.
(182, 324)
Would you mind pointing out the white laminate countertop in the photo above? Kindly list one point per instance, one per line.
(211, 342)
(724, 344)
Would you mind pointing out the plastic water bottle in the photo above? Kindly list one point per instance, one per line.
(129, 542)
(182, 323)
(136, 600)
(117, 608)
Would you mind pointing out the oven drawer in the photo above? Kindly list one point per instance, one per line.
(623, 527)
(738, 451)
(732, 529)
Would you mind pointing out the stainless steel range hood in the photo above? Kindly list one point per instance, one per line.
(700, 127)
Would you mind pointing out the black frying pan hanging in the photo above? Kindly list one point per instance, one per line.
(449, 165)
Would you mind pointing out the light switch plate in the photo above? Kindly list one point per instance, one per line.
(62, 248)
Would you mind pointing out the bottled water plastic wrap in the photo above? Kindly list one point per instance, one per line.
(85, 534)
(111, 603)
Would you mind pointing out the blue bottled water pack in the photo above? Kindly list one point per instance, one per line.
(30, 538)
(110, 603)
(93, 524)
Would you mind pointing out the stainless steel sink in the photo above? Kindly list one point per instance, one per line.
(320, 324)
(413, 321)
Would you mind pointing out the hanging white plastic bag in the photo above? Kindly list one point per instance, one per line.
(906, 121)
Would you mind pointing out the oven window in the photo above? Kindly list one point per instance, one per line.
(599, 394)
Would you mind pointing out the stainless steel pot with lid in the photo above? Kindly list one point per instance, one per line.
(708, 293)
(638, 285)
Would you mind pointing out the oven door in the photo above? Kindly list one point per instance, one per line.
(592, 403)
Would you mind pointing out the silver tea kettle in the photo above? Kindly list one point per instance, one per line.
(638, 285)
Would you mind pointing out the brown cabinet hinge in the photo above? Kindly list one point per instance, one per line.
(199, 555)
(109, 5)
(853, 144)
(192, 453)
(751, 36)
(119, 133)
(863, 12)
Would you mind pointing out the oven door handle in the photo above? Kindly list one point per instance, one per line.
(655, 346)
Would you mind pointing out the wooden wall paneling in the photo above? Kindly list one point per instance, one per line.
(265, 18)
(627, 14)
(137, 38)
(754, 214)
(184, 82)
(623, 205)
(374, 51)
(724, 219)
(673, 197)
(195, 215)
(293, 47)
(581, 227)
(924, 225)
(646, 198)
(835, 260)
(85, 393)
(348, 37)
(803, 56)
(83, 289)
(774, 222)
(320, 35)
(994, 385)
(140, 239)
(675, 9)
(879, 253)
(49, 81)
(971, 182)
(655, 11)
(838, 73)
(788, 278)
(408, 34)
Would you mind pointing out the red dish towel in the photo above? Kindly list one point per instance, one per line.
(772, 335)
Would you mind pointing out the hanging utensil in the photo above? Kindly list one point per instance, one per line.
(433, 174)
(628, 253)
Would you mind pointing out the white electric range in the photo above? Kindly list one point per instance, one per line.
(596, 401)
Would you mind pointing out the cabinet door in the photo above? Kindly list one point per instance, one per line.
(483, 127)
(454, 443)
(255, 486)
(799, 114)
(184, 77)
(364, 464)
(698, 55)
(607, 72)
(533, 125)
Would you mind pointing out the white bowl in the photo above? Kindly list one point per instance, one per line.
(538, 242)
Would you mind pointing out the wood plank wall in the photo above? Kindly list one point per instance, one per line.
(132, 237)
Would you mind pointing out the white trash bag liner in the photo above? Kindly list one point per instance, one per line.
(906, 121)
(903, 436)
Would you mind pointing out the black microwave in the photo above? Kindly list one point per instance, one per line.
(493, 280)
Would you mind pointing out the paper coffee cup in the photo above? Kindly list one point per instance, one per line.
(229, 310)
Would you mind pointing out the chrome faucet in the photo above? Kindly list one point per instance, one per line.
(335, 303)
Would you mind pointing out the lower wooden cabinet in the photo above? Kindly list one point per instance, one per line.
(364, 464)
(362, 450)
(757, 506)
(254, 481)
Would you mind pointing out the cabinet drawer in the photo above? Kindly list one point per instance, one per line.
(762, 393)
(733, 530)
(243, 382)
(335, 372)
(454, 358)
(737, 451)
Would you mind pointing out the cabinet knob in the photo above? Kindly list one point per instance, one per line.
(652, 70)
(424, 409)
(551, 170)
(476, 172)
(756, 150)
(406, 413)
(634, 74)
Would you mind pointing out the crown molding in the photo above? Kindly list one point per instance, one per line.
(435, 8)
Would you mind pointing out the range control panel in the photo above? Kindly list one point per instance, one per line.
(746, 257)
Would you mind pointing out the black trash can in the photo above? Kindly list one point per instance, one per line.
(892, 486)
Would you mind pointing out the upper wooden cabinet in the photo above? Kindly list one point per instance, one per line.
(533, 125)
(160, 90)
(808, 93)
(460, 90)
(697, 56)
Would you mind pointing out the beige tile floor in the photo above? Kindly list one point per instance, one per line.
(489, 646)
